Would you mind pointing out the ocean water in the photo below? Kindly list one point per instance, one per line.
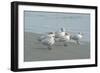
(43, 22)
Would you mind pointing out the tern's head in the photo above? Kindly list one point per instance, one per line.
(52, 34)
(66, 33)
(80, 33)
(62, 29)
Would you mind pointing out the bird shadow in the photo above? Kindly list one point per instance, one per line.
(61, 45)
(42, 48)
(58, 45)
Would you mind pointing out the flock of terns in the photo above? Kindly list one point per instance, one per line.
(51, 38)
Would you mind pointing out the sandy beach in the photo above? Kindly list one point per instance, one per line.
(35, 51)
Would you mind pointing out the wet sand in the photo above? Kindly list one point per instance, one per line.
(35, 51)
